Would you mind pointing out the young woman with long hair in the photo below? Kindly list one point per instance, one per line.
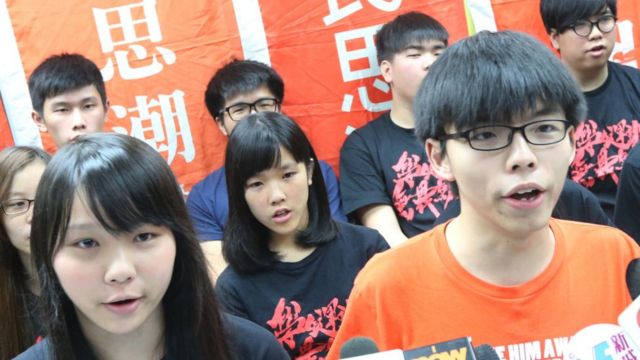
(291, 267)
(20, 170)
(121, 270)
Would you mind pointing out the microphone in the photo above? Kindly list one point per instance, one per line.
(633, 278)
(600, 342)
(363, 348)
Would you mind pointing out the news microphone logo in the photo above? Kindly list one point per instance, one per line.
(601, 342)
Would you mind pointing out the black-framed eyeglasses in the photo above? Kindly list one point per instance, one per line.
(240, 110)
(496, 137)
(16, 206)
(605, 24)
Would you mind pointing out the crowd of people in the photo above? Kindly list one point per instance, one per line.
(474, 207)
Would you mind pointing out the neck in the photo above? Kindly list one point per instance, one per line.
(497, 256)
(288, 249)
(145, 342)
(402, 113)
(591, 80)
(31, 276)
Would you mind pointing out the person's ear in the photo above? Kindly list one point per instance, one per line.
(439, 160)
(220, 122)
(571, 133)
(553, 37)
(39, 121)
(310, 166)
(386, 71)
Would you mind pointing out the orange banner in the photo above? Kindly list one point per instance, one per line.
(5, 132)
(157, 57)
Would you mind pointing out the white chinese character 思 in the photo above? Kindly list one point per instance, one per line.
(160, 123)
(130, 31)
(337, 13)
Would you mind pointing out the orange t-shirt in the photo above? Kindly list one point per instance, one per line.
(418, 294)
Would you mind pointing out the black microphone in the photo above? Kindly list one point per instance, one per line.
(633, 278)
(486, 352)
(361, 346)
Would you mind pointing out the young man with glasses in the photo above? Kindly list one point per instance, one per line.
(500, 129)
(236, 90)
(584, 33)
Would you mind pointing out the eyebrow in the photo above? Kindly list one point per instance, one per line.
(83, 100)
(547, 110)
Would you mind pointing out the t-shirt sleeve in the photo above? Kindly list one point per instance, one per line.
(204, 221)
(380, 245)
(627, 211)
(333, 191)
(361, 179)
(228, 297)
(251, 341)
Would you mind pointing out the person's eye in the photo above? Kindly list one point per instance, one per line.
(236, 110)
(547, 128)
(143, 237)
(86, 244)
(254, 184)
(16, 204)
(90, 106)
(60, 110)
(482, 135)
(265, 105)
(289, 174)
(413, 55)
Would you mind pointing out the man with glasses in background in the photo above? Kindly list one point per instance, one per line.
(236, 90)
(584, 33)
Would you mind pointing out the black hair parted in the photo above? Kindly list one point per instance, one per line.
(125, 183)
(62, 73)
(491, 78)
(411, 28)
(237, 77)
(254, 146)
(558, 15)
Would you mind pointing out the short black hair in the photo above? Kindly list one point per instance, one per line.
(254, 146)
(490, 78)
(558, 15)
(62, 73)
(237, 77)
(407, 29)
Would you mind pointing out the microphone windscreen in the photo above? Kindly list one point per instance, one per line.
(486, 352)
(358, 346)
(633, 278)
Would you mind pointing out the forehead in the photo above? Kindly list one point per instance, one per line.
(542, 111)
(84, 93)
(250, 96)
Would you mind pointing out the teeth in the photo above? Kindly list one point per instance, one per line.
(522, 192)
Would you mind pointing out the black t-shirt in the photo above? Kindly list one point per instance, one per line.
(627, 214)
(382, 163)
(575, 203)
(246, 340)
(303, 303)
(611, 130)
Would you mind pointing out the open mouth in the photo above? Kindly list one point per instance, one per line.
(123, 302)
(281, 213)
(525, 195)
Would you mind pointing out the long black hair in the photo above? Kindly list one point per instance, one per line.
(254, 146)
(125, 184)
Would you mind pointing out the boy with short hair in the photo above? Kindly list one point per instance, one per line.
(584, 33)
(386, 181)
(501, 128)
(236, 90)
(69, 97)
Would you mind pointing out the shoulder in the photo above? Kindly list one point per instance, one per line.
(595, 239)
(386, 268)
(39, 351)
(625, 71)
(248, 340)
(205, 186)
(371, 129)
(357, 236)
